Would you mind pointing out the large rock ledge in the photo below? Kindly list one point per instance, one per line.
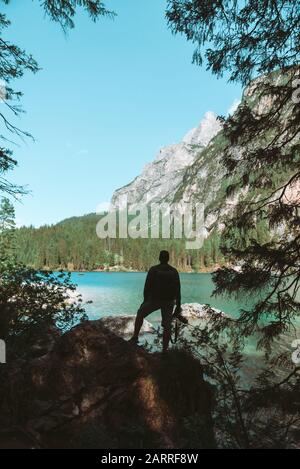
(89, 388)
(123, 325)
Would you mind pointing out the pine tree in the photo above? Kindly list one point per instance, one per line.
(257, 43)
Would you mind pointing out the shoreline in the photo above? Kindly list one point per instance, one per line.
(127, 271)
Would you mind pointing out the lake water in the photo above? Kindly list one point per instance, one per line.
(116, 293)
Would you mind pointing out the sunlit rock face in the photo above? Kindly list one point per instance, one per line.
(207, 129)
(160, 179)
(196, 311)
(193, 170)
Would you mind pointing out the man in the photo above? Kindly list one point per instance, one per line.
(162, 291)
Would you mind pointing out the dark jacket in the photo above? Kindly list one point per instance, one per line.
(162, 283)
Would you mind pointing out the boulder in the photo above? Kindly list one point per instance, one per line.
(92, 389)
(123, 326)
(199, 311)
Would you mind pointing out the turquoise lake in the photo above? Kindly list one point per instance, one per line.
(116, 293)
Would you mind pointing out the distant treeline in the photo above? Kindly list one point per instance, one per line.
(73, 245)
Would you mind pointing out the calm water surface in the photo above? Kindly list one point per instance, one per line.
(115, 293)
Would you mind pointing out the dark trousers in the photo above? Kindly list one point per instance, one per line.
(166, 307)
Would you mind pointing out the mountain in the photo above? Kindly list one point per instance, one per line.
(186, 171)
(193, 170)
(190, 171)
(160, 179)
(205, 180)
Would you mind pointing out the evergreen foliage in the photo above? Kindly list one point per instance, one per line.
(244, 40)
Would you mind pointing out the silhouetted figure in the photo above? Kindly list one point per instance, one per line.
(162, 291)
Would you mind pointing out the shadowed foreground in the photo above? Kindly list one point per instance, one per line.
(89, 388)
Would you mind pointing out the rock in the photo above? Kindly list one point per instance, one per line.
(159, 180)
(193, 170)
(45, 341)
(95, 390)
(123, 326)
(205, 132)
(199, 311)
(18, 438)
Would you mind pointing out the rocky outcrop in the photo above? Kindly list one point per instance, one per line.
(193, 171)
(89, 388)
(159, 180)
(123, 325)
(197, 311)
(190, 171)
(206, 179)
(208, 128)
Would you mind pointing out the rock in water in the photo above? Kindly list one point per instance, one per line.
(199, 311)
(95, 390)
(123, 326)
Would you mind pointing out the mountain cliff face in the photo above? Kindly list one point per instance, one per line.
(160, 179)
(192, 171)
(188, 171)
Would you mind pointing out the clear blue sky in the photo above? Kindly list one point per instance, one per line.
(109, 95)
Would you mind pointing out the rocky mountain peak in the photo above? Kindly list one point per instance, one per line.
(206, 130)
(160, 178)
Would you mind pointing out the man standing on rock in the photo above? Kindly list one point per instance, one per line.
(162, 291)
